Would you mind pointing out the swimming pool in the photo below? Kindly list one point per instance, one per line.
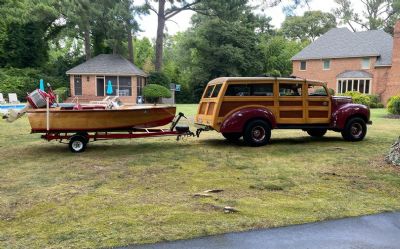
(5, 108)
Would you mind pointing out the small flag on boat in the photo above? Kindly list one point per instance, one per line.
(109, 88)
(41, 86)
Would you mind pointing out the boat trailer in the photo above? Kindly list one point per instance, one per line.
(77, 141)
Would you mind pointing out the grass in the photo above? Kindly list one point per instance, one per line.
(141, 191)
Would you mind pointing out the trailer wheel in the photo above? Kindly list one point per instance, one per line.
(257, 133)
(77, 144)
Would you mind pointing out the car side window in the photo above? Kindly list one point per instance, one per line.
(207, 93)
(216, 91)
(262, 90)
(290, 89)
(316, 90)
(250, 90)
(238, 90)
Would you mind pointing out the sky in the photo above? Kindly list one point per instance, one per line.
(181, 21)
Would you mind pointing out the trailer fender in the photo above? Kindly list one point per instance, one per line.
(236, 121)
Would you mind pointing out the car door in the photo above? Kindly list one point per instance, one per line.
(318, 104)
(291, 103)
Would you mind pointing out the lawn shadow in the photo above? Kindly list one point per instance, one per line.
(114, 149)
(276, 141)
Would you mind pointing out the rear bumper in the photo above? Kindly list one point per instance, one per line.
(369, 122)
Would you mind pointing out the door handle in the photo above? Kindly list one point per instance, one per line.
(325, 103)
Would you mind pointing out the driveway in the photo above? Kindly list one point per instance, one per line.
(381, 231)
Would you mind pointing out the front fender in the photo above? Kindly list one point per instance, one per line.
(341, 115)
(236, 121)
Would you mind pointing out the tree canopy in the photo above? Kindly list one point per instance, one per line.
(310, 26)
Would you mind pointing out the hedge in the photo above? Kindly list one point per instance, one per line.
(394, 105)
(23, 81)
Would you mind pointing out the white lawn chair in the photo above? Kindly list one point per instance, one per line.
(2, 100)
(12, 98)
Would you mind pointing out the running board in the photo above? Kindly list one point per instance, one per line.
(308, 126)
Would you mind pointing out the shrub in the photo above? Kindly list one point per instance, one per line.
(62, 93)
(394, 105)
(153, 92)
(23, 81)
(380, 105)
(359, 98)
(159, 79)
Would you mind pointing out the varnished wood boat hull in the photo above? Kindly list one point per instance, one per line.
(100, 120)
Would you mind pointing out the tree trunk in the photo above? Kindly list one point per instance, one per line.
(88, 50)
(130, 47)
(160, 35)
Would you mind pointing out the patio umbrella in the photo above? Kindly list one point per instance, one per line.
(109, 88)
(41, 86)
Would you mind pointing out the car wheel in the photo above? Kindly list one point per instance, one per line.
(77, 144)
(317, 132)
(354, 130)
(257, 133)
(233, 137)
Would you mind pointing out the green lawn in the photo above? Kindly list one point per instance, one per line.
(140, 191)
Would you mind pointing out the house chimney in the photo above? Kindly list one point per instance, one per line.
(392, 86)
(396, 46)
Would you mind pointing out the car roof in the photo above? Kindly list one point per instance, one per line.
(233, 79)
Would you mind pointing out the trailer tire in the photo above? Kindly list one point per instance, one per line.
(77, 144)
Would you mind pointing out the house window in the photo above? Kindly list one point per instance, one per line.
(357, 85)
(303, 65)
(113, 80)
(78, 85)
(365, 63)
(327, 64)
(125, 86)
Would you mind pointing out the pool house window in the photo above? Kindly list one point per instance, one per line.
(120, 85)
(358, 85)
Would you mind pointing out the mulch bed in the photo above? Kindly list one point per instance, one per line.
(393, 116)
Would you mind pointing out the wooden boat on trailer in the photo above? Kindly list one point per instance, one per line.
(81, 123)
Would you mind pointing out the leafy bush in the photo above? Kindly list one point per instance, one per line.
(159, 79)
(359, 98)
(62, 93)
(375, 101)
(380, 105)
(153, 92)
(394, 105)
(23, 81)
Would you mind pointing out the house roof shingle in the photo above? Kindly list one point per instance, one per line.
(107, 64)
(354, 74)
(342, 43)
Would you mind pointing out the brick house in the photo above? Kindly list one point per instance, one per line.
(89, 80)
(368, 62)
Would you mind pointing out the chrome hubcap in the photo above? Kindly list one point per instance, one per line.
(258, 133)
(356, 130)
(77, 145)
